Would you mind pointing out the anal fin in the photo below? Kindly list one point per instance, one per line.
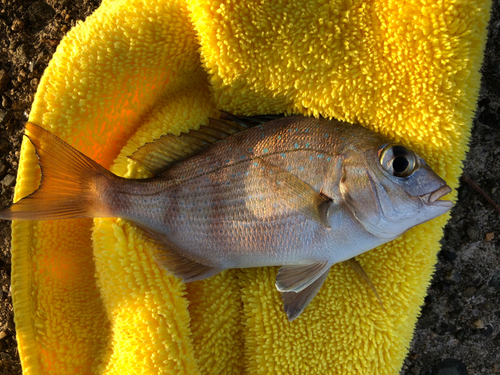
(171, 260)
(186, 269)
(356, 266)
(295, 303)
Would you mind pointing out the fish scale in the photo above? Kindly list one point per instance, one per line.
(225, 182)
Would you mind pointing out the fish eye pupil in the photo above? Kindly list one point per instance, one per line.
(400, 164)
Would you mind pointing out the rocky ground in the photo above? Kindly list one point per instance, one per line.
(29, 34)
(459, 330)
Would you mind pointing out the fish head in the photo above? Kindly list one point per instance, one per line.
(390, 189)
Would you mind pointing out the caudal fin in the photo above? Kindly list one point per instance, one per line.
(70, 186)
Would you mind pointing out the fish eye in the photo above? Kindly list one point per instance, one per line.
(398, 160)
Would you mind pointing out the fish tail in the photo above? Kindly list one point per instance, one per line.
(71, 183)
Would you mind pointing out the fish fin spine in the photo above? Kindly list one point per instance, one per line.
(161, 154)
(358, 268)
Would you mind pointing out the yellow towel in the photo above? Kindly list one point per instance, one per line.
(88, 297)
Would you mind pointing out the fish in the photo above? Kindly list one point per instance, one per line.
(297, 192)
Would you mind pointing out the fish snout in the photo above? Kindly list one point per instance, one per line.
(432, 198)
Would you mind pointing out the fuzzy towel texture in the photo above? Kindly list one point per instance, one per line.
(88, 297)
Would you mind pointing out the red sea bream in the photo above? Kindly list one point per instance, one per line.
(296, 192)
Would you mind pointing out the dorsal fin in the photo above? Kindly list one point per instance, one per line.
(249, 121)
(160, 154)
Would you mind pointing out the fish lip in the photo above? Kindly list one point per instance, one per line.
(431, 199)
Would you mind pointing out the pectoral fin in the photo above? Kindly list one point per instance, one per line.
(297, 194)
(171, 260)
(297, 278)
(294, 303)
(356, 266)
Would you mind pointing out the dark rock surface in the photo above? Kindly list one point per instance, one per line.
(459, 329)
(450, 366)
(40, 14)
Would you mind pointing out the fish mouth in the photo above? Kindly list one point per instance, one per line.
(431, 199)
